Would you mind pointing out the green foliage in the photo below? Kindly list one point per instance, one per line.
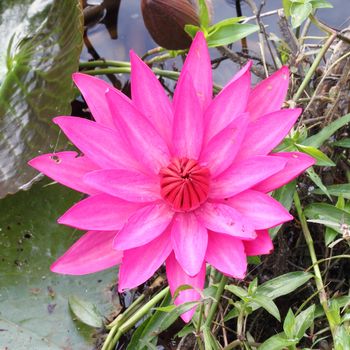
(43, 48)
(224, 32)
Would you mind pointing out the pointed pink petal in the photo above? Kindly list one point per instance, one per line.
(261, 210)
(177, 277)
(265, 133)
(222, 149)
(144, 226)
(227, 254)
(149, 97)
(139, 264)
(225, 219)
(188, 121)
(99, 212)
(229, 104)
(269, 95)
(147, 145)
(296, 163)
(262, 244)
(199, 66)
(67, 168)
(91, 253)
(102, 145)
(93, 89)
(189, 240)
(243, 175)
(128, 185)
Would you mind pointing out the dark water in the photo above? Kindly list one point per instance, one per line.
(133, 35)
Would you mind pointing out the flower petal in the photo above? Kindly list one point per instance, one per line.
(296, 163)
(188, 121)
(178, 277)
(230, 103)
(225, 219)
(99, 212)
(67, 168)
(189, 240)
(128, 185)
(102, 145)
(227, 254)
(261, 210)
(147, 145)
(91, 253)
(245, 174)
(139, 264)
(262, 244)
(269, 95)
(93, 89)
(222, 149)
(149, 97)
(199, 66)
(265, 133)
(144, 226)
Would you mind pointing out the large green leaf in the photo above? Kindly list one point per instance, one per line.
(34, 311)
(40, 46)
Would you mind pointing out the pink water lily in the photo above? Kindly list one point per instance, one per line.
(184, 182)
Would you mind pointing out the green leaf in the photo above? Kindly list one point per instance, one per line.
(299, 13)
(319, 4)
(192, 30)
(318, 181)
(203, 14)
(288, 324)
(277, 342)
(304, 321)
(337, 190)
(238, 291)
(85, 311)
(345, 143)
(286, 7)
(328, 212)
(330, 235)
(284, 195)
(322, 159)
(34, 310)
(342, 338)
(223, 34)
(318, 139)
(44, 45)
(267, 304)
(284, 284)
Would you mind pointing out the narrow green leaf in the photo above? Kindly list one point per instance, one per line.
(284, 284)
(286, 7)
(288, 324)
(238, 291)
(318, 181)
(330, 235)
(304, 321)
(191, 30)
(318, 139)
(299, 13)
(224, 34)
(203, 14)
(320, 4)
(277, 342)
(328, 212)
(345, 143)
(337, 190)
(342, 338)
(267, 304)
(85, 311)
(321, 158)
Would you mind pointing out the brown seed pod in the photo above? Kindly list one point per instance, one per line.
(166, 19)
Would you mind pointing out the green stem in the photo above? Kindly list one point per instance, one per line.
(103, 63)
(318, 276)
(120, 328)
(215, 304)
(314, 66)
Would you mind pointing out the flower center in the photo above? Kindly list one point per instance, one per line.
(184, 184)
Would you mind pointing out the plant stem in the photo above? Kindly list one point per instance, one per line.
(318, 277)
(103, 63)
(214, 306)
(119, 328)
(314, 66)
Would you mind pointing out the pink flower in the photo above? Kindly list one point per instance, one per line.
(182, 182)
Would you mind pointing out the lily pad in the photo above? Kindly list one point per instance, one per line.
(40, 44)
(34, 310)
